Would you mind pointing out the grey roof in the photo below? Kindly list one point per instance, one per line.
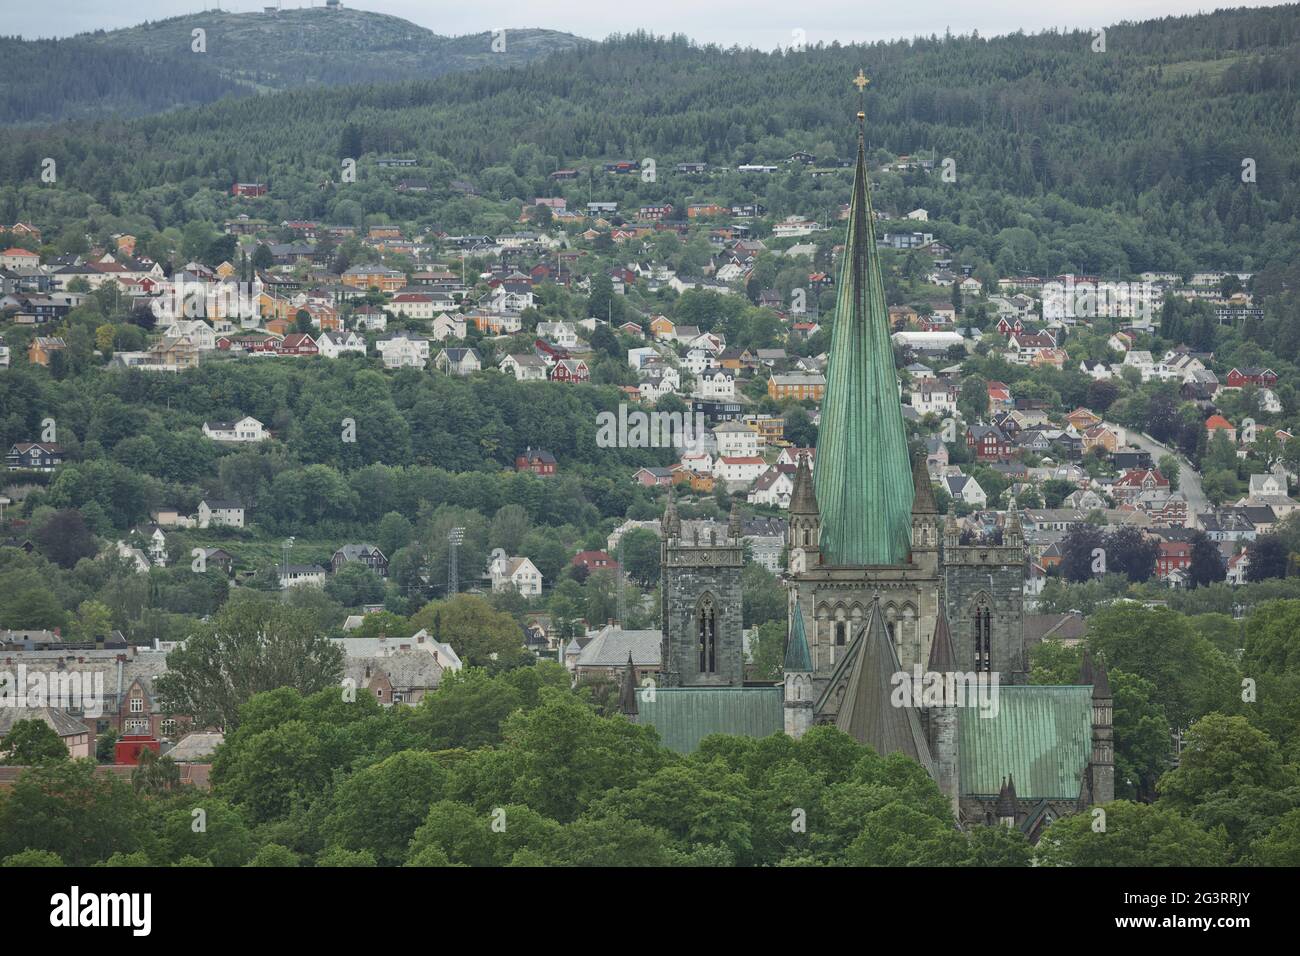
(60, 721)
(611, 647)
(867, 713)
(405, 669)
(196, 747)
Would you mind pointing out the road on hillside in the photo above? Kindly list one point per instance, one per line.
(1189, 480)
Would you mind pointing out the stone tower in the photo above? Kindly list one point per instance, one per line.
(701, 605)
(942, 719)
(984, 584)
(1101, 767)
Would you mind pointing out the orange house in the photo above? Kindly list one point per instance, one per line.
(802, 387)
(1082, 419)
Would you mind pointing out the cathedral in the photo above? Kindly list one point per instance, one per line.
(881, 586)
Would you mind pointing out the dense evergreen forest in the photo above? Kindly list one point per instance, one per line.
(1065, 158)
(158, 65)
(50, 80)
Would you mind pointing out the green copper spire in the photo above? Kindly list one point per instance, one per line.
(863, 477)
(797, 656)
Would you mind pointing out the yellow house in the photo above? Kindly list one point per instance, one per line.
(661, 326)
(225, 270)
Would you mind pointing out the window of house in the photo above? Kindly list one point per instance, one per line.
(137, 705)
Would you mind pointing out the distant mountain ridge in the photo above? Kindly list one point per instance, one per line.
(158, 66)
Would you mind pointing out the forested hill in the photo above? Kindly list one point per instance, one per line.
(155, 66)
(50, 80)
(332, 46)
(1109, 161)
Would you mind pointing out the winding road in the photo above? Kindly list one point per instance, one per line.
(1189, 480)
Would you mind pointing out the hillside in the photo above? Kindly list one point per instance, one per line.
(316, 45)
(1065, 159)
(152, 68)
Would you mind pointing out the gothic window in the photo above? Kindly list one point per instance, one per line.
(706, 625)
(983, 627)
(841, 630)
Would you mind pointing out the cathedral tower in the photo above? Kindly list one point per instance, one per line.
(701, 605)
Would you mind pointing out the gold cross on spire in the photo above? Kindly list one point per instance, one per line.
(861, 81)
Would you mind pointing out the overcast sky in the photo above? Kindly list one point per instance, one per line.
(765, 24)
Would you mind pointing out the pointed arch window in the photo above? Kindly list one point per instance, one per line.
(983, 639)
(706, 624)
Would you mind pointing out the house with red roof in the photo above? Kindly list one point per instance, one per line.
(1217, 423)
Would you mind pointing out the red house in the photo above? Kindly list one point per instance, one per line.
(594, 560)
(1137, 481)
(249, 189)
(537, 461)
(988, 443)
(1241, 377)
(571, 371)
(298, 343)
(1173, 556)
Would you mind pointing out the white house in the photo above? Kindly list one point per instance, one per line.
(966, 489)
(218, 513)
(697, 360)
(716, 383)
(562, 334)
(773, 488)
(736, 440)
(412, 305)
(738, 471)
(199, 333)
(458, 361)
(247, 429)
(301, 575)
(931, 397)
(524, 367)
(334, 344)
(403, 351)
(514, 573)
(448, 326)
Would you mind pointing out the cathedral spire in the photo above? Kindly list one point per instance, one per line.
(863, 476)
(797, 656)
(803, 499)
(627, 689)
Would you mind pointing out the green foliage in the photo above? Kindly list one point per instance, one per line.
(30, 742)
(1135, 834)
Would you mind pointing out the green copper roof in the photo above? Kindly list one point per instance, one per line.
(797, 655)
(863, 476)
(686, 715)
(1041, 737)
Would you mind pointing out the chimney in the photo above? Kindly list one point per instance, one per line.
(121, 658)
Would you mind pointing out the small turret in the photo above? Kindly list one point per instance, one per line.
(803, 537)
(1012, 534)
(1006, 805)
(671, 524)
(734, 529)
(798, 678)
(627, 705)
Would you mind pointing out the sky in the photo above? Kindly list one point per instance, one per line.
(765, 24)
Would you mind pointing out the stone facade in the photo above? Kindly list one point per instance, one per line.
(701, 609)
